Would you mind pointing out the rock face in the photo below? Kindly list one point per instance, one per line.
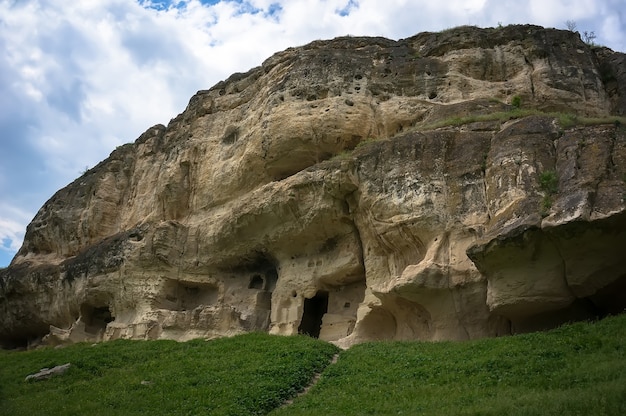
(337, 190)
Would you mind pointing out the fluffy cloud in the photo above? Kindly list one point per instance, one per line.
(11, 231)
(79, 78)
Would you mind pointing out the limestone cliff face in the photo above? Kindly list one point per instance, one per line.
(330, 192)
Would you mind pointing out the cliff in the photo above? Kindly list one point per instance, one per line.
(452, 185)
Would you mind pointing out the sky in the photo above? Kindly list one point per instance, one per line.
(79, 78)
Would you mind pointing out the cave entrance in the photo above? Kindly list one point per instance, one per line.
(257, 282)
(314, 310)
(186, 296)
(95, 318)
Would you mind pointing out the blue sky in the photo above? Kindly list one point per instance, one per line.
(78, 78)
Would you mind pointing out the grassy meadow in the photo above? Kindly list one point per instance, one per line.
(578, 369)
(245, 375)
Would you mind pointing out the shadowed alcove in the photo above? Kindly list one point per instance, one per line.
(183, 296)
(314, 310)
(95, 318)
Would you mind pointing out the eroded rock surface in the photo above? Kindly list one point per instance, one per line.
(322, 193)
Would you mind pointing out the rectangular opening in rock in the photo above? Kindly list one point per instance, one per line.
(95, 318)
(184, 296)
(314, 310)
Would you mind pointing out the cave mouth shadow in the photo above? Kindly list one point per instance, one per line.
(314, 310)
(95, 318)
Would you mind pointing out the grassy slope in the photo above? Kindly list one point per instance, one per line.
(578, 369)
(574, 370)
(243, 375)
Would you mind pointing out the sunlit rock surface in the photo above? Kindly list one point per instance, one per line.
(329, 192)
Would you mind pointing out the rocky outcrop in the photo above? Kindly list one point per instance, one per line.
(353, 189)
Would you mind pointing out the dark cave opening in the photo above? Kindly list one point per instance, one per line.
(314, 310)
(262, 271)
(257, 282)
(95, 318)
(611, 299)
(22, 340)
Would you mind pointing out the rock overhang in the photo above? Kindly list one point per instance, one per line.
(332, 186)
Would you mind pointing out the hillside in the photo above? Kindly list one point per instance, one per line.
(449, 186)
(574, 370)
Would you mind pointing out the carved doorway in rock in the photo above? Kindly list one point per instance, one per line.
(314, 310)
(95, 318)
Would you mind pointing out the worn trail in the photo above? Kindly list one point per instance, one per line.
(314, 380)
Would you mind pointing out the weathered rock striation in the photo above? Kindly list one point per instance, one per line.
(330, 191)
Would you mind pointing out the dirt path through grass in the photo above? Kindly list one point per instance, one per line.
(314, 380)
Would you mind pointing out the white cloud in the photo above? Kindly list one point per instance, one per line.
(11, 234)
(548, 12)
(79, 78)
(613, 31)
(13, 223)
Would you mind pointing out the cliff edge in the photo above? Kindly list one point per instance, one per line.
(453, 185)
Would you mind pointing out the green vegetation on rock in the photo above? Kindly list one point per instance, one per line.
(565, 120)
(548, 182)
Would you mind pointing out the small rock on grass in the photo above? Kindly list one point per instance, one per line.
(45, 373)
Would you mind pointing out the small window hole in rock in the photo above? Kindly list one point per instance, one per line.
(257, 282)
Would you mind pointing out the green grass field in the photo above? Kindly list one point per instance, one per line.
(574, 370)
(578, 369)
(244, 375)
